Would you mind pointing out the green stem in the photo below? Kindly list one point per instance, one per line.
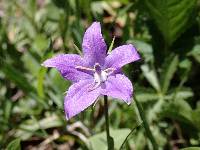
(146, 126)
(110, 141)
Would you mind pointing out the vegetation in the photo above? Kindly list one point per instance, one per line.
(166, 79)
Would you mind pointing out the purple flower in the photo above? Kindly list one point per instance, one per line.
(96, 73)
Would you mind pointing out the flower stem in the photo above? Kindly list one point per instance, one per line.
(146, 126)
(110, 140)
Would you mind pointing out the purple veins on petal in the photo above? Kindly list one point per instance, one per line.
(66, 65)
(79, 97)
(118, 86)
(94, 46)
(121, 56)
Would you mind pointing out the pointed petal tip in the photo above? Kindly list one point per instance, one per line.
(45, 63)
(67, 117)
(137, 55)
(128, 102)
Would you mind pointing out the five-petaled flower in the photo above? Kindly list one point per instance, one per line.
(96, 73)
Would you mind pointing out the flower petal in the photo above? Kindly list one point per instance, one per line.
(79, 97)
(66, 64)
(118, 86)
(94, 46)
(121, 56)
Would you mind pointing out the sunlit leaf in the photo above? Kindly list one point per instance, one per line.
(191, 148)
(195, 53)
(99, 141)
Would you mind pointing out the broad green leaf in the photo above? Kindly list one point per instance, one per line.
(138, 139)
(183, 93)
(144, 48)
(99, 141)
(40, 43)
(14, 145)
(30, 63)
(171, 16)
(169, 69)
(151, 77)
(191, 148)
(180, 110)
(132, 130)
(195, 53)
(53, 12)
(57, 81)
(196, 118)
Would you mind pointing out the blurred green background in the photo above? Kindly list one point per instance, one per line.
(166, 79)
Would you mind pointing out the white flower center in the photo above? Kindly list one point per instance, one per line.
(100, 75)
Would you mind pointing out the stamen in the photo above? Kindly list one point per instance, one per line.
(84, 68)
(109, 70)
(100, 75)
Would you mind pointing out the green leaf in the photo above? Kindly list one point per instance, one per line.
(139, 124)
(17, 77)
(144, 48)
(146, 97)
(14, 145)
(180, 110)
(170, 68)
(151, 77)
(171, 16)
(195, 53)
(182, 93)
(196, 118)
(40, 82)
(30, 63)
(99, 141)
(40, 43)
(7, 109)
(191, 148)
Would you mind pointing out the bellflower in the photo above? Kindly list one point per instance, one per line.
(96, 73)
